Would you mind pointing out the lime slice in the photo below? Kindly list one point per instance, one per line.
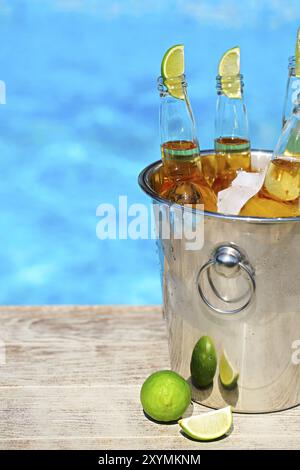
(229, 70)
(230, 63)
(172, 67)
(173, 62)
(228, 375)
(297, 63)
(208, 426)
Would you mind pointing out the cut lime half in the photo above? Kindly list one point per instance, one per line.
(297, 62)
(208, 426)
(228, 375)
(229, 71)
(172, 68)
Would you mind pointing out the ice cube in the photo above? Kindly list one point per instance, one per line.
(243, 187)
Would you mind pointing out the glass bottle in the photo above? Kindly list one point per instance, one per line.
(183, 181)
(279, 196)
(292, 90)
(232, 144)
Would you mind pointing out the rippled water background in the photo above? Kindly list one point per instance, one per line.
(81, 122)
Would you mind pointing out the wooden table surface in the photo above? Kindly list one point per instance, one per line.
(70, 378)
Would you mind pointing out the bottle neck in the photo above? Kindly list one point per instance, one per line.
(288, 145)
(231, 113)
(292, 90)
(177, 122)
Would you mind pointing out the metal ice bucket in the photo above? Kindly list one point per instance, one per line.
(242, 288)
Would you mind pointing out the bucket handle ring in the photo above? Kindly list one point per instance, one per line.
(228, 260)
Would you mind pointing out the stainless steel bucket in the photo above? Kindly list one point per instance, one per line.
(242, 288)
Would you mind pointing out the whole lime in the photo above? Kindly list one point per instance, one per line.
(165, 396)
(203, 362)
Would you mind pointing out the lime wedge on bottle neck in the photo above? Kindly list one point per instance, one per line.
(229, 71)
(208, 426)
(297, 62)
(172, 69)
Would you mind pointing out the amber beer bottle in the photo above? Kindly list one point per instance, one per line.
(183, 181)
(280, 194)
(292, 89)
(232, 144)
(293, 83)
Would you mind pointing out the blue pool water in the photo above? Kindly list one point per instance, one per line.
(81, 122)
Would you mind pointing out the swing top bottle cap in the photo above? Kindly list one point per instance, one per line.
(229, 71)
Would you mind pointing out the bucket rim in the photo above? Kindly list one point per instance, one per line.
(144, 183)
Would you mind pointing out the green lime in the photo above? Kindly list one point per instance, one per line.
(208, 426)
(204, 362)
(229, 70)
(228, 374)
(165, 396)
(172, 68)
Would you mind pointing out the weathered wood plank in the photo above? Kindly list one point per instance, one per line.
(72, 379)
(81, 345)
(35, 416)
